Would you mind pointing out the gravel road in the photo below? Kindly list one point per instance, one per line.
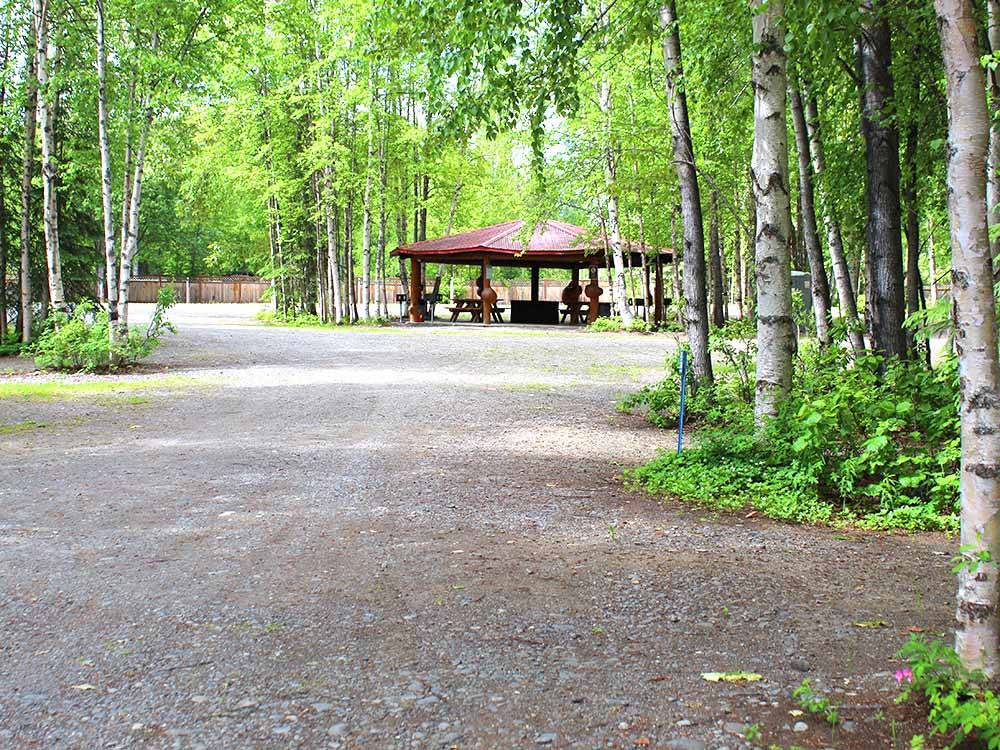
(409, 538)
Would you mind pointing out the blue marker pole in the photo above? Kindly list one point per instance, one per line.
(680, 419)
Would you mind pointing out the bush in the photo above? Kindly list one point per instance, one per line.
(81, 341)
(850, 444)
(298, 319)
(960, 704)
(606, 325)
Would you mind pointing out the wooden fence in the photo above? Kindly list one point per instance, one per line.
(199, 288)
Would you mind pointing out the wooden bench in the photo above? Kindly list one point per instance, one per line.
(475, 309)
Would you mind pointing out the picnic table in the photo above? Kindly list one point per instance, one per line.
(474, 307)
(576, 311)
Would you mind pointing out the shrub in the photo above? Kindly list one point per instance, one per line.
(850, 444)
(81, 341)
(606, 325)
(961, 704)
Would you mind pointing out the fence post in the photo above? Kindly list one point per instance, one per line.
(187, 290)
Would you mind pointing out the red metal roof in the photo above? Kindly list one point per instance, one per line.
(550, 238)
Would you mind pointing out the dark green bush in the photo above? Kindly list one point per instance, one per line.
(850, 444)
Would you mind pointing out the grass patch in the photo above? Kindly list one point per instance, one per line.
(56, 390)
(19, 428)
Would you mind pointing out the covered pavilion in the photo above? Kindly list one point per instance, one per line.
(554, 244)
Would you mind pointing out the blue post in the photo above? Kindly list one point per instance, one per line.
(680, 417)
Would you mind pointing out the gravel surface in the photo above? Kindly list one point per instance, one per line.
(408, 538)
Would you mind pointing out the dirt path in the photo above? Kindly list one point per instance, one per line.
(409, 539)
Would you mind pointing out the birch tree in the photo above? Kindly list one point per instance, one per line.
(820, 285)
(769, 177)
(977, 638)
(107, 198)
(693, 229)
(614, 236)
(45, 55)
(27, 172)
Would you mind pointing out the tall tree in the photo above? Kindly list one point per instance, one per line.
(769, 177)
(886, 309)
(27, 172)
(107, 198)
(693, 229)
(978, 632)
(715, 256)
(841, 270)
(820, 285)
(46, 53)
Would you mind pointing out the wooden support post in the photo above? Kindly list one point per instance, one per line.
(658, 301)
(488, 294)
(593, 292)
(416, 291)
(535, 277)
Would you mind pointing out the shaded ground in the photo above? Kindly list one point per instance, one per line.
(412, 538)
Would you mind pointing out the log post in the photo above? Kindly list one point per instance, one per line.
(489, 295)
(593, 292)
(416, 292)
(658, 302)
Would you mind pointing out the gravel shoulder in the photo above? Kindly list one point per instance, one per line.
(409, 538)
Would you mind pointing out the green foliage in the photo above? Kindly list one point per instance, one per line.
(82, 342)
(962, 706)
(848, 446)
(815, 703)
(297, 319)
(606, 325)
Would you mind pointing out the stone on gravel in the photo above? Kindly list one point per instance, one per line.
(800, 726)
(685, 743)
(546, 739)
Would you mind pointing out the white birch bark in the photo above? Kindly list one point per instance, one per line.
(769, 178)
(614, 237)
(977, 638)
(45, 52)
(132, 228)
(110, 259)
(332, 254)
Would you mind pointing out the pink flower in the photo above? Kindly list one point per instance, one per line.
(904, 675)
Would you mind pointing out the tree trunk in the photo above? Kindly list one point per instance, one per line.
(613, 238)
(993, 159)
(911, 227)
(132, 226)
(977, 637)
(695, 297)
(715, 256)
(110, 245)
(675, 261)
(366, 220)
(332, 251)
(738, 268)
(819, 283)
(884, 238)
(46, 51)
(27, 171)
(932, 261)
(383, 181)
(769, 177)
(841, 271)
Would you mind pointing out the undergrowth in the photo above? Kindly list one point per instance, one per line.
(851, 445)
(962, 706)
(81, 342)
(296, 319)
